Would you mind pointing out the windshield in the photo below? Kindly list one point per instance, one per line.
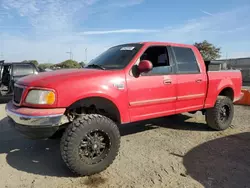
(117, 57)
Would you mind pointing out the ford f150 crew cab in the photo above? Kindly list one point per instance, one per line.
(126, 83)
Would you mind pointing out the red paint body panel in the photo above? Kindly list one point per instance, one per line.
(149, 97)
(220, 80)
(192, 88)
(141, 98)
(74, 85)
(190, 93)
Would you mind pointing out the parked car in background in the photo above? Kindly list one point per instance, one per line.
(11, 72)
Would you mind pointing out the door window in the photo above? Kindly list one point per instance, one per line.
(185, 60)
(158, 56)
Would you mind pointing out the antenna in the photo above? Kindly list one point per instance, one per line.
(70, 54)
(1, 46)
(86, 58)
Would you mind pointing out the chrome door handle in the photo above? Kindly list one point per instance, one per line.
(167, 81)
(198, 80)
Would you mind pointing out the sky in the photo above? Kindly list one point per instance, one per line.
(46, 30)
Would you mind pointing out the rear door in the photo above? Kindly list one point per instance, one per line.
(191, 81)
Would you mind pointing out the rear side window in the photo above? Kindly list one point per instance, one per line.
(185, 60)
(22, 70)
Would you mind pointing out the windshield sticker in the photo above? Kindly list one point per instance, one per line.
(128, 48)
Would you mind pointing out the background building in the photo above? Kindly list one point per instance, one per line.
(242, 64)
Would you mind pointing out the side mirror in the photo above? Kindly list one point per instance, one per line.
(145, 66)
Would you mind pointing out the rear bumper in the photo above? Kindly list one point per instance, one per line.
(35, 123)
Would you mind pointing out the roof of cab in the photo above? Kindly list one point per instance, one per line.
(12, 63)
(166, 43)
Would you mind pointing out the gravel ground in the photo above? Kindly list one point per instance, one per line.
(167, 152)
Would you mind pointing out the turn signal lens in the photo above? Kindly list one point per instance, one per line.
(50, 98)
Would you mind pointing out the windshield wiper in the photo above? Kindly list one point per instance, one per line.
(95, 66)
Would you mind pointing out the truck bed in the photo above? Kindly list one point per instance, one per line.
(227, 78)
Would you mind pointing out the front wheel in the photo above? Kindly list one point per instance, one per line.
(90, 144)
(221, 115)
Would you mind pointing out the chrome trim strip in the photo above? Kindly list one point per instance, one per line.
(153, 101)
(163, 100)
(156, 113)
(226, 71)
(190, 96)
(34, 121)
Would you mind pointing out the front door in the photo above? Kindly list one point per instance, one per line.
(153, 94)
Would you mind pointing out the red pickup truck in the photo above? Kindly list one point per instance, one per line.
(126, 83)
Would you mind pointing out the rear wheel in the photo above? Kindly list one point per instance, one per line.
(90, 144)
(221, 115)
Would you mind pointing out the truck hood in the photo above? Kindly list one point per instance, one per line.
(53, 78)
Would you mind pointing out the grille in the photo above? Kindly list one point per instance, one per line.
(18, 91)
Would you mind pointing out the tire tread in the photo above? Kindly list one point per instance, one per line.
(212, 113)
(73, 127)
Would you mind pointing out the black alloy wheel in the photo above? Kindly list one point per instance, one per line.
(94, 147)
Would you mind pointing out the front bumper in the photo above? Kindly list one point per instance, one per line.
(35, 123)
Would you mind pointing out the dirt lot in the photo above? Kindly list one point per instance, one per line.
(168, 152)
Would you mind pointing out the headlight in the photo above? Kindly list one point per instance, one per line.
(40, 97)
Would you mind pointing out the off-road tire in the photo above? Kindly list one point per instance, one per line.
(213, 114)
(73, 135)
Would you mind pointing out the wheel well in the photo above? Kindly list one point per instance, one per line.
(96, 105)
(228, 92)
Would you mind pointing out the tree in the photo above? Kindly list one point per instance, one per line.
(82, 64)
(208, 51)
(35, 62)
(45, 65)
(68, 64)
